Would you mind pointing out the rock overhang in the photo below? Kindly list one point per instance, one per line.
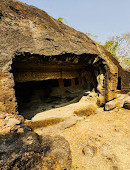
(28, 30)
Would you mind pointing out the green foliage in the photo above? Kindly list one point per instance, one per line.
(74, 167)
(60, 19)
(112, 46)
(119, 47)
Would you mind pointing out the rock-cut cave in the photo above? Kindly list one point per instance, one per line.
(46, 82)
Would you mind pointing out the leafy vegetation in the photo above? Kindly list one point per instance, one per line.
(74, 167)
(112, 46)
(60, 19)
(119, 47)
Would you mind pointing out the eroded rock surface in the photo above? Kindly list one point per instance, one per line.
(27, 150)
(41, 48)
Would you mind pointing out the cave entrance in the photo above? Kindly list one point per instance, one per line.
(119, 83)
(46, 82)
(38, 96)
(34, 96)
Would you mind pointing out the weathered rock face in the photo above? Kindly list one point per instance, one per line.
(51, 148)
(27, 150)
(36, 47)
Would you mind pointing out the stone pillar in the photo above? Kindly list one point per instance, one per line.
(73, 82)
(61, 83)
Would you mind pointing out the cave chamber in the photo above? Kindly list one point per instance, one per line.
(45, 82)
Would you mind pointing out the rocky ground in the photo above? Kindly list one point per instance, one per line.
(98, 139)
(97, 142)
(101, 141)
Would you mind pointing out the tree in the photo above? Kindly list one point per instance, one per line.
(119, 47)
(112, 46)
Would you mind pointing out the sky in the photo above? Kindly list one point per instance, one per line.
(104, 18)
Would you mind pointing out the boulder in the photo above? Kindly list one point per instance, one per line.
(28, 150)
(118, 102)
(13, 122)
(110, 105)
(57, 147)
(127, 104)
(93, 97)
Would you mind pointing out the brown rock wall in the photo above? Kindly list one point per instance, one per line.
(7, 96)
(26, 29)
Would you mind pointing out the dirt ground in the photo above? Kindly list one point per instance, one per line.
(98, 142)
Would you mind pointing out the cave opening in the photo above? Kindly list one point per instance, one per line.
(119, 83)
(76, 81)
(38, 96)
(67, 82)
(42, 85)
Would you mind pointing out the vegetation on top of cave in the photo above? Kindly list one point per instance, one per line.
(119, 47)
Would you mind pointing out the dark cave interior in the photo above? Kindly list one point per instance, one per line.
(42, 83)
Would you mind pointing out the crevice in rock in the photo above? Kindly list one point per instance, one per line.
(1, 15)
